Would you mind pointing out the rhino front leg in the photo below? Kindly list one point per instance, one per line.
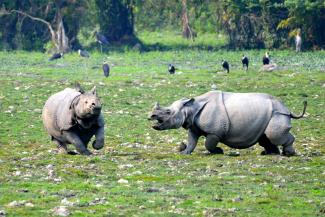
(75, 140)
(211, 142)
(62, 148)
(192, 139)
(99, 142)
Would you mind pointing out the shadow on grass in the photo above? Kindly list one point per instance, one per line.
(142, 47)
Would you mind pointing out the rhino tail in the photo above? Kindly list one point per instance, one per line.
(294, 116)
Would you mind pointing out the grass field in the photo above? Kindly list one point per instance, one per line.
(139, 172)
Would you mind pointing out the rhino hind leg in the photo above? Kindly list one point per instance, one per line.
(278, 133)
(288, 149)
(211, 144)
(269, 148)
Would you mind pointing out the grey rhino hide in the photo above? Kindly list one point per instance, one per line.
(72, 116)
(238, 120)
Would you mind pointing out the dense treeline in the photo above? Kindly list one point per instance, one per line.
(60, 24)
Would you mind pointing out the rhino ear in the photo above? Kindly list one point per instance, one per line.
(188, 102)
(79, 88)
(93, 91)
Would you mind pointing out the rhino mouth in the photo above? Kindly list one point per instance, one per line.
(95, 111)
(158, 122)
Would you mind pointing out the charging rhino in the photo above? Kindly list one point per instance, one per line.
(73, 116)
(239, 120)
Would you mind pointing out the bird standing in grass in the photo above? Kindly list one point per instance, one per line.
(266, 59)
(298, 42)
(225, 65)
(56, 56)
(106, 69)
(245, 62)
(171, 69)
(102, 40)
(83, 53)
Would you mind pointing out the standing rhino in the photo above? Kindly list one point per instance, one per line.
(73, 116)
(238, 120)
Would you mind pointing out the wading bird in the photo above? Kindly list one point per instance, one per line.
(225, 65)
(245, 62)
(56, 56)
(102, 40)
(298, 42)
(266, 59)
(83, 53)
(106, 69)
(171, 69)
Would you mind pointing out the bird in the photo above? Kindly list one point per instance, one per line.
(225, 65)
(106, 69)
(83, 53)
(171, 69)
(245, 62)
(298, 42)
(56, 56)
(102, 40)
(266, 59)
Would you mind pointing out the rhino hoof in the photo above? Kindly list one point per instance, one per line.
(182, 147)
(288, 154)
(87, 153)
(269, 153)
(185, 152)
(72, 152)
(98, 145)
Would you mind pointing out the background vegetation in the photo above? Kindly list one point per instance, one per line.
(246, 24)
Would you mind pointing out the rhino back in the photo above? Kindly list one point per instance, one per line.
(249, 115)
(56, 109)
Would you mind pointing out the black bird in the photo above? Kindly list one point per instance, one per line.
(225, 65)
(56, 56)
(83, 53)
(245, 62)
(102, 40)
(171, 69)
(106, 69)
(266, 59)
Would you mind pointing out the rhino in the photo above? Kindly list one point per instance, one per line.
(73, 116)
(239, 120)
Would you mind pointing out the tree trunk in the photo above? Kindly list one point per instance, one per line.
(62, 40)
(187, 32)
(116, 20)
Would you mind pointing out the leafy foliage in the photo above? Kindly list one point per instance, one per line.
(116, 19)
(309, 16)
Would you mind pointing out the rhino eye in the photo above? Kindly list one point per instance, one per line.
(168, 112)
(86, 101)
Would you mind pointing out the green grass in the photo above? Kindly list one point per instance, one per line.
(161, 182)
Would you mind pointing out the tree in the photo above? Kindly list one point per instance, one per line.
(50, 14)
(116, 20)
(309, 16)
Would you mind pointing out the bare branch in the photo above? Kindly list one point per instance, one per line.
(36, 19)
(33, 18)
